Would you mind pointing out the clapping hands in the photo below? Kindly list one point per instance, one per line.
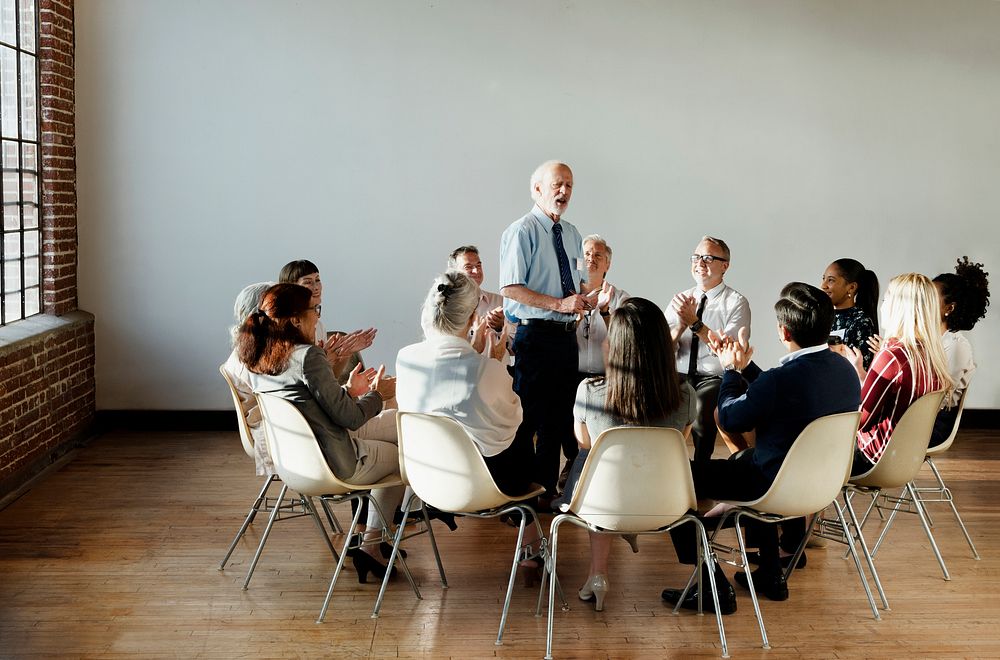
(340, 347)
(732, 353)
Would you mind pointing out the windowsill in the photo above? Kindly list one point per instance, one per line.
(40, 324)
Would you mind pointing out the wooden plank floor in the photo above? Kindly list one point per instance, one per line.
(116, 555)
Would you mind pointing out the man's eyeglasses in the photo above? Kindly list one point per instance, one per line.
(707, 258)
(316, 308)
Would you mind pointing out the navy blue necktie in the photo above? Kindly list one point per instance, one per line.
(565, 275)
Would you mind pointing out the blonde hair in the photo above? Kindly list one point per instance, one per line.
(911, 314)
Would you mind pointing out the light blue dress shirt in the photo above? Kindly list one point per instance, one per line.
(528, 257)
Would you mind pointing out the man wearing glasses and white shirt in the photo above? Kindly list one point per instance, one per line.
(709, 306)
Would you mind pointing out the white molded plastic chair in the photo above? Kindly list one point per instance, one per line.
(898, 467)
(286, 508)
(302, 467)
(809, 480)
(444, 468)
(636, 480)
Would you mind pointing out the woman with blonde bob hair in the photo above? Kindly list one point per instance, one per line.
(909, 363)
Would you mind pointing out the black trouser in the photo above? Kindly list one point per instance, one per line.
(706, 389)
(943, 425)
(740, 480)
(545, 377)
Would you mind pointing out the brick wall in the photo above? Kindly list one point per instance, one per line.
(47, 377)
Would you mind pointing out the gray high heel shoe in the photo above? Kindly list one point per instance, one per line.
(596, 588)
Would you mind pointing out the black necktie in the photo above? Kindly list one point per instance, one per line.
(565, 276)
(693, 359)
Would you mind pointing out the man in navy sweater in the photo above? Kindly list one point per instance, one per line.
(810, 382)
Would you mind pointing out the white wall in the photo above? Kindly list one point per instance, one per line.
(219, 140)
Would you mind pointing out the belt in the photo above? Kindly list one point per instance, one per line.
(563, 326)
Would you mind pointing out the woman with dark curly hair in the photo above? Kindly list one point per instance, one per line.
(964, 296)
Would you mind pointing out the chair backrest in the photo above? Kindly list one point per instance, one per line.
(636, 478)
(297, 457)
(815, 469)
(907, 447)
(443, 466)
(954, 429)
(245, 436)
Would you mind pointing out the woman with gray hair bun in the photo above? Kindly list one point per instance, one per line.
(247, 302)
(446, 375)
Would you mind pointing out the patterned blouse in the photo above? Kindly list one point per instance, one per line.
(854, 327)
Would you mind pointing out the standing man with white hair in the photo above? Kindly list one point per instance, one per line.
(541, 259)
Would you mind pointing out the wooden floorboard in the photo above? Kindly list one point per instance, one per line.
(116, 555)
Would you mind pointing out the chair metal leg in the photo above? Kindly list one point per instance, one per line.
(392, 557)
(927, 529)
(553, 556)
(263, 538)
(900, 500)
(434, 545)
(330, 517)
(705, 552)
(308, 505)
(947, 497)
(340, 565)
(513, 573)
(544, 558)
(864, 548)
(249, 519)
(854, 555)
(753, 592)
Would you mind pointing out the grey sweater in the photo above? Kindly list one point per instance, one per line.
(309, 383)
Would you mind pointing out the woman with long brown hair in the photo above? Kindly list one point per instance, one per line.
(640, 388)
(276, 345)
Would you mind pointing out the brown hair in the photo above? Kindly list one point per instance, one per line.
(268, 336)
(293, 271)
(643, 385)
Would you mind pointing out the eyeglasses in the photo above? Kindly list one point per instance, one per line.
(315, 308)
(706, 258)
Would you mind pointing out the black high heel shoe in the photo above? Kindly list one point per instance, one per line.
(445, 517)
(364, 564)
(384, 549)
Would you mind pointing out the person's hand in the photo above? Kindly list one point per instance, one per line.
(875, 343)
(856, 358)
(359, 382)
(340, 347)
(717, 341)
(384, 385)
(604, 296)
(480, 328)
(574, 304)
(736, 353)
(686, 308)
(498, 345)
(495, 318)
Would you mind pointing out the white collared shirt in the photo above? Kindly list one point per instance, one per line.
(488, 301)
(443, 375)
(726, 309)
(590, 334)
(788, 357)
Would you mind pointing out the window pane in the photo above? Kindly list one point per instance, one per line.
(29, 156)
(9, 155)
(8, 91)
(11, 218)
(28, 96)
(13, 310)
(11, 187)
(11, 245)
(29, 188)
(12, 275)
(31, 272)
(28, 25)
(30, 216)
(8, 22)
(31, 243)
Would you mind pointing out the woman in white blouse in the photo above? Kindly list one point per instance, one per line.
(964, 297)
(445, 375)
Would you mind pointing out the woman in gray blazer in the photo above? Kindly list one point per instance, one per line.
(275, 344)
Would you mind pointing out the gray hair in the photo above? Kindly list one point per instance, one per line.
(597, 238)
(717, 242)
(458, 252)
(247, 302)
(539, 173)
(451, 301)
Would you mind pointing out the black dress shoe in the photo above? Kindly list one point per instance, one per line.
(772, 587)
(754, 558)
(727, 598)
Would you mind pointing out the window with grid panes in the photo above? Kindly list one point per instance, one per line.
(20, 251)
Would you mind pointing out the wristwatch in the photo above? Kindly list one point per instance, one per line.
(697, 326)
(732, 367)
